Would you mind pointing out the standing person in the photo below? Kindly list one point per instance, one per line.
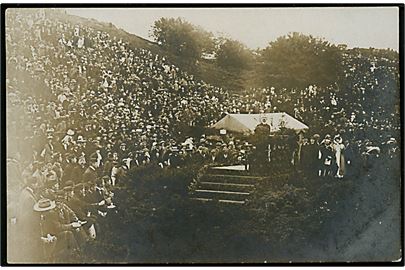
(312, 155)
(245, 156)
(47, 152)
(318, 164)
(352, 158)
(114, 171)
(339, 147)
(90, 174)
(305, 156)
(297, 153)
(327, 155)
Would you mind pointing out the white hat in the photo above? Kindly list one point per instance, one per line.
(80, 139)
(44, 205)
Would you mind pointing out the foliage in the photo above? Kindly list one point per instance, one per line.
(229, 79)
(297, 60)
(181, 38)
(233, 55)
(279, 211)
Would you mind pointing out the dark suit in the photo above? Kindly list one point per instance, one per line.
(90, 175)
(72, 172)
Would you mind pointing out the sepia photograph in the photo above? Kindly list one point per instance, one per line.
(202, 134)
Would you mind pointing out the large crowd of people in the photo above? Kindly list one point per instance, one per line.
(83, 108)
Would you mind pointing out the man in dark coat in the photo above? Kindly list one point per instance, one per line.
(108, 165)
(327, 155)
(72, 171)
(90, 174)
(310, 154)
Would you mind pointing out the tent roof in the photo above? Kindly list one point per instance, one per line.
(246, 123)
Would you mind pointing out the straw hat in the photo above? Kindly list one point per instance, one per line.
(44, 205)
(70, 132)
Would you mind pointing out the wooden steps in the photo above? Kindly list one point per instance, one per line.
(224, 188)
(232, 186)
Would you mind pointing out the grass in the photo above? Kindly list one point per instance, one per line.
(296, 220)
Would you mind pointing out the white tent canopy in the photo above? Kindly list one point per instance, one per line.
(246, 123)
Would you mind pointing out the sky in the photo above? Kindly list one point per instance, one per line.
(364, 27)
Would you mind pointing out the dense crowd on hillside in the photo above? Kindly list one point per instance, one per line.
(83, 108)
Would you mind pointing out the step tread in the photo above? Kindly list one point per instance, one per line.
(220, 200)
(234, 176)
(227, 184)
(222, 191)
(202, 199)
(232, 201)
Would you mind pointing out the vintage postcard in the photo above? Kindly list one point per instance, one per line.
(202, 134)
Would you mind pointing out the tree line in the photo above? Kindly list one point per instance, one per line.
(294, 60)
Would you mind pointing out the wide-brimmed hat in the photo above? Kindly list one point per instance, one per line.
(44, 205)
(80, 139)
(70, 132)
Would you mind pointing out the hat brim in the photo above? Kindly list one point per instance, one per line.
(37, 208)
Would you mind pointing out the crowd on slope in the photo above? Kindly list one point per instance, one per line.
(83, 108)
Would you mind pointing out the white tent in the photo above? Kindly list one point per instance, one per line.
(246, 123)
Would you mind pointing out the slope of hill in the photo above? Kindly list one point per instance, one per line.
(133, 40)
